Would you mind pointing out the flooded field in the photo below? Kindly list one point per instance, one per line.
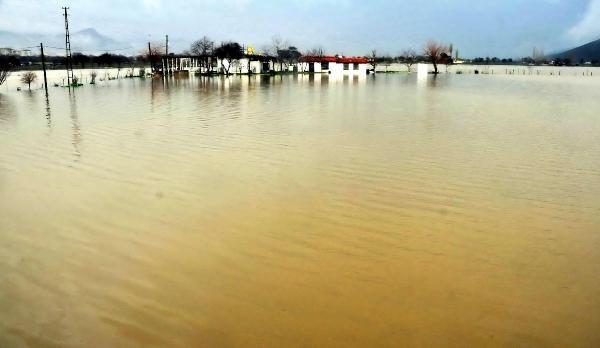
(383, 211)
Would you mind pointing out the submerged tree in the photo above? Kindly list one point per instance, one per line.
(409, 58)
(374, 60)
(28, 78)
(230, 51)
(7, 64)
(289, 56)
(93, 75)
(203, 47)
(277, 45)
(447, 60)
(317, 51)
(433, 51)
(153, 54)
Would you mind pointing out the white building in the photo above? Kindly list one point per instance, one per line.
(334, 65)
(6, 51)
(248, 65)
(254, 64)
(24, 53)
(257, 64)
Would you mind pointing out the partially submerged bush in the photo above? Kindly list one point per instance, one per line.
(93, 75)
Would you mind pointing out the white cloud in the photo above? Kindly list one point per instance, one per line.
(588, 27)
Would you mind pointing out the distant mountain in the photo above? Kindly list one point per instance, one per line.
(88, 41)
(588, 52)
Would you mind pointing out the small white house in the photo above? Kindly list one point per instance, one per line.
(334, 65)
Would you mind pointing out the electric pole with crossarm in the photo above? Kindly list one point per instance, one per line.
(69, 62)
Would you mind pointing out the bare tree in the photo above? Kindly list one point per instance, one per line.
(202, 47)
(433, 51)
(409, 58)
(374, 60)
(28, 78)
(317, 51)
(277, 45)
(157, 49)
(7, 64)
(3, 74)
(93, 75)
(153, 54)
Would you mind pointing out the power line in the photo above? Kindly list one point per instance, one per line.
(102, 50)
(76, 50)
(58, 48)
(79, 50)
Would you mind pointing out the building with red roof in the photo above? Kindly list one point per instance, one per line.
(334, 65)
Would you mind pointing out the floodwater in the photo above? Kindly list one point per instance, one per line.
(462, 210)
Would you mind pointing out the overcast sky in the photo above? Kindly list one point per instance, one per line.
(504, 28)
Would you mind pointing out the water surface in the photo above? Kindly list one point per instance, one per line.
(302, 212)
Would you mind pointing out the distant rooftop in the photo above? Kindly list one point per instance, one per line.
(334, 59)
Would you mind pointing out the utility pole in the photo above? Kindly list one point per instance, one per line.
(44, 67)
(69, 62)
(167, 45)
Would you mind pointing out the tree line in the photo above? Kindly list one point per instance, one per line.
(433, 52)
(79, 60)
(229, 53)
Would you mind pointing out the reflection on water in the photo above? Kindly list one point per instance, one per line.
(48, 112)
(75, 127)
(301, 211)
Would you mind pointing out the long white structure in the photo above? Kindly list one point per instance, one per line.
(207, 64)
(254, 64)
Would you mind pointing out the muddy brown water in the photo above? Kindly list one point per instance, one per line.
(302, 212)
